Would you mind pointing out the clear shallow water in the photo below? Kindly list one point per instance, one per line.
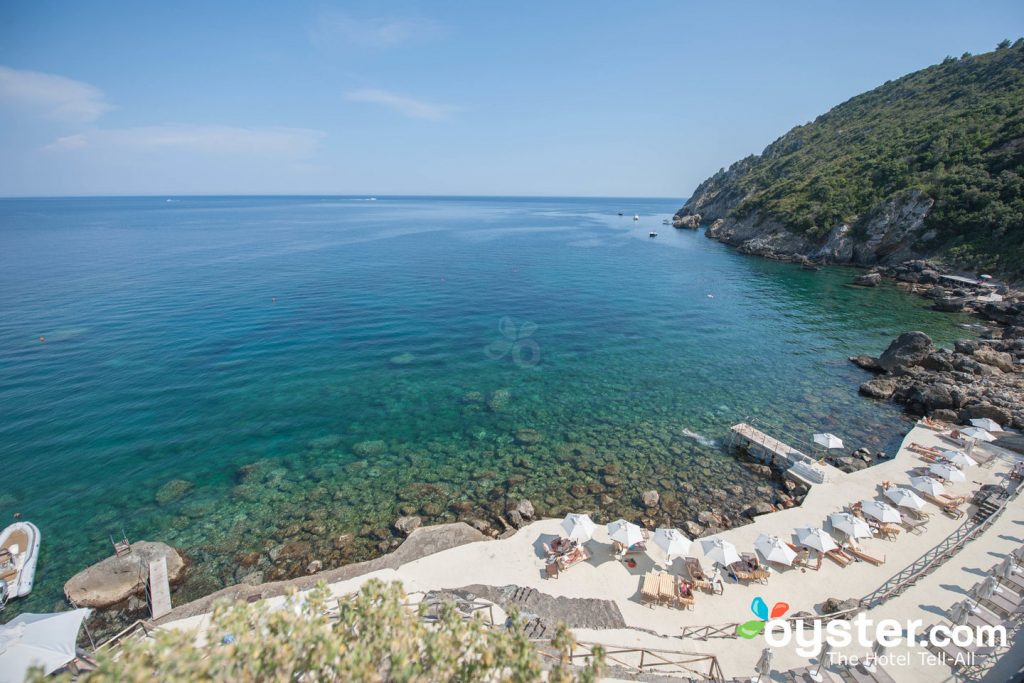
(315, 367)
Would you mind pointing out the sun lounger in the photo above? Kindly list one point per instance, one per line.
(952, 654)
(804, 675)
(697, 576)
(1005, 603)
(839, 557)
(573, 557)
(858, 674)
(619, 550)
(911, 525)
(650, 589)
(930, 423)
(888, 531)
(929, 450)
(949, 508)
(860, 554)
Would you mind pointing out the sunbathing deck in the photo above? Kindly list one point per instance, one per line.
(519, 560)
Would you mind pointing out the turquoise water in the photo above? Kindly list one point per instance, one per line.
(315, 367)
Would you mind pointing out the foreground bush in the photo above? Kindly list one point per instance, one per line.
(374, 638)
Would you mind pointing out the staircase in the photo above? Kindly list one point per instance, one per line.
(985, 510)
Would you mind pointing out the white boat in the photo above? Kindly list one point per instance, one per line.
(652, 234)
(636, 218)
(19, 551)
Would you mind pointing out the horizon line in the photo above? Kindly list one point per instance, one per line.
(367, 195)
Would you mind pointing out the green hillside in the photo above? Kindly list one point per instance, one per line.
(954, 130)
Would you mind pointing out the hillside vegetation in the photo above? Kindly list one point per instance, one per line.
(953, 131)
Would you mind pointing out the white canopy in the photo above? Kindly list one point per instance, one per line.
(959, 458)
(624, 532)
(904, 498)
(947, 472)
(828, 440)
(46, 640)
(987, 424)
(719, 551)
(883, 512)
(977, 433)
(816, 539)
(672, 541)
(987, 588)
(855, 527)
(773, 549)
(927, 485)
(578, 528)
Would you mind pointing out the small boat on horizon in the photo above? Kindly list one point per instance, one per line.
(636, 217)
(652, 234)
(19, 551)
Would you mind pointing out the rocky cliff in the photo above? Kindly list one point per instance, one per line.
(929, 165)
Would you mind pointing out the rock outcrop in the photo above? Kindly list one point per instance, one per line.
(978, 378)
(115, 579)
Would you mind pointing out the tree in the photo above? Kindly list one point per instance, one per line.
(374, 637)
(1003, 44)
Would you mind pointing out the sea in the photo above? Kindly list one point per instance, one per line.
(268, 383)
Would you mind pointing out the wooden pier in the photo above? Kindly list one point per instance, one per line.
(798, 465)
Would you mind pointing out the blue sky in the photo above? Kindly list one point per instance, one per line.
(565, 98)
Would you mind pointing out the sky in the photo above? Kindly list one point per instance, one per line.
(449, 98)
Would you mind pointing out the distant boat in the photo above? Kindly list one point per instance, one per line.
(19, 550)
(636, 218)
(652, 234)
(665, 222)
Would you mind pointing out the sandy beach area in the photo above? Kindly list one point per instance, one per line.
(519, 561)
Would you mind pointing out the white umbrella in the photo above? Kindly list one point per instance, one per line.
(626, 533)
(578, 528)
(719, 551)
(977, 433)
(947, 472)
(764, 664)
(987, 588)
(827, 440)
(987, 424)
(904, 498)
(46, 640)
(927, 485)
(883, 512)
(959, 458)
(816, 539)
(672, 541)
(1007, 568)
(854, 527)
(960, 612)
(773, 549)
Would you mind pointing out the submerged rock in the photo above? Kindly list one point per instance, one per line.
(406, 525)
(402, 359)
(650, 498)
(369, 448)
(868, 280)
(172, 491)
(115, 579)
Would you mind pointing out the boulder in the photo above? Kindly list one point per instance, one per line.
(692, 529)
(882, 387)
(709, 518)
(524, 507)
(690, 222)
(980, 410)
(908, 349)
(406, 525)
(172, 491)
(761, 507)
(999, 359)
(515, 520)
(115, 579)
(833, 605)
(650, 498)
(868, 280)
(868, 363)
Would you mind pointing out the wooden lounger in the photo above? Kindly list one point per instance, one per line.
(860, 554)
(954, 653)
(950, 508)
(650, 593)
(839, 557)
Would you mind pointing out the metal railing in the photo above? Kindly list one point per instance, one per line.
(642, 660)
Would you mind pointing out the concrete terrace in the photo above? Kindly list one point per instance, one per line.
(519, 561)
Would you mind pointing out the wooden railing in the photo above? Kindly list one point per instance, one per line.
(703, 666)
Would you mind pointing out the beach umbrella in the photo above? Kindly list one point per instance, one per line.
(959, 458)
(1017, 554)
(854, 527)
(823, 656)
(947, 472)
(626, 533)
(46, 640)
(876, 651)
(719, 551)
(828, 441)
(977, 433)
(578, 528)
(773, 549)
(883, 512)
(987, 588)
(904, 498)
(1007, 568)
(764, 665)
(961, 612)
(672, 541)
(987, 424)
(927, 485)
(816, 539)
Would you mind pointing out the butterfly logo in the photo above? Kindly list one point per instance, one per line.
(754, 627)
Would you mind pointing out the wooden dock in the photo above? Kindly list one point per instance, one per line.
(159, 588)
(798, 465)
